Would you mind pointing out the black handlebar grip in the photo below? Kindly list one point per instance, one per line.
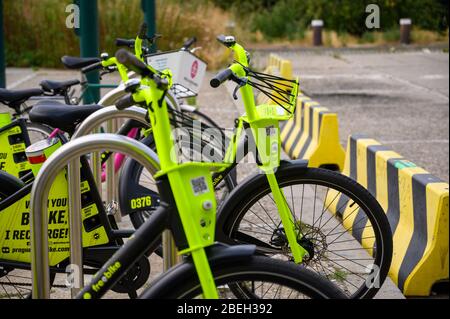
(125, 102)
(143, 31)
(125, 43)
(92, 67)
(189, 42)
(221, 77)
(227, 41)
(132, 62)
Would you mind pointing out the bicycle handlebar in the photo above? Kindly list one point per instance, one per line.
(129, 43)
(227, 41)
(221, 77)
(125, 102)
(132, 62)
(188, 43)
(92, 67)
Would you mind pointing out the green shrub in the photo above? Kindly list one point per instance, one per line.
(368, 37)
(280, 18)
(36, 32)
(392, 35)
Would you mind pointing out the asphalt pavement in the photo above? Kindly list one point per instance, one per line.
(400, 99)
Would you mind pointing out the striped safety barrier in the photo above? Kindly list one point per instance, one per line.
(416, 204)
(279, 67)
(313, 134)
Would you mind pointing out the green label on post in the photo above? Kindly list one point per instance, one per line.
(404, 164)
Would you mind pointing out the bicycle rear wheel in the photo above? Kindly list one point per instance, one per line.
(255, 277)
(37, 132)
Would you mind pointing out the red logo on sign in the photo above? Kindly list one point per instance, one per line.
(194, 69)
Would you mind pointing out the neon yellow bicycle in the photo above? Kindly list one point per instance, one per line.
(313, 217)
(188, 207)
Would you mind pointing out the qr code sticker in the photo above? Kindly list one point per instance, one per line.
(199, 185)
(270, 131)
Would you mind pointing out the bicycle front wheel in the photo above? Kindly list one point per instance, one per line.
(337, 221)
(255, 277)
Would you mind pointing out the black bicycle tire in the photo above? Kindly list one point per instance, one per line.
(182, 280)
(247, 192)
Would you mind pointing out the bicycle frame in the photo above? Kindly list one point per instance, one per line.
(195, 204)
(262, 120)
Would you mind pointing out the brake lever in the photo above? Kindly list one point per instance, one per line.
(154, 38)
(162, 83)
(196, 49)
(242, 82)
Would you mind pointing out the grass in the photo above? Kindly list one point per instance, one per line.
(41, 37)
(335, 39)
(339, 275)
(36, 35)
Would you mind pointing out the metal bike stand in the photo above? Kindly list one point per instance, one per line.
(110, 98)
(96, 163)
(109, 113)
(110, 174)
(75, 225)
(41, 187)
(170, 253)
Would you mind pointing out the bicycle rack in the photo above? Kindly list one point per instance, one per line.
(111, 127)
(170, 255)
(108, 114)
(70, 154)
(108, 99)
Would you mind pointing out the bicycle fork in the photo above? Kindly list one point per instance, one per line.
(298, 252)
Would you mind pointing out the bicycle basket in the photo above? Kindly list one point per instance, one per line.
(188, 71)
(282, 92)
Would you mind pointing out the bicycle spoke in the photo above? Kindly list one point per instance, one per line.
(347, 259)
(301, 206)
(338, 209)
(14, 286)
(250, 222)
(343, 220)
(257, 216)
(344, 241)
(266, 211)
(262, 297)
(322, 210)
(314, 204)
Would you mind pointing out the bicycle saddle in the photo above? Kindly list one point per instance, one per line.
(62, 116)
(77, 63)
(18, 96)
(58, 86)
